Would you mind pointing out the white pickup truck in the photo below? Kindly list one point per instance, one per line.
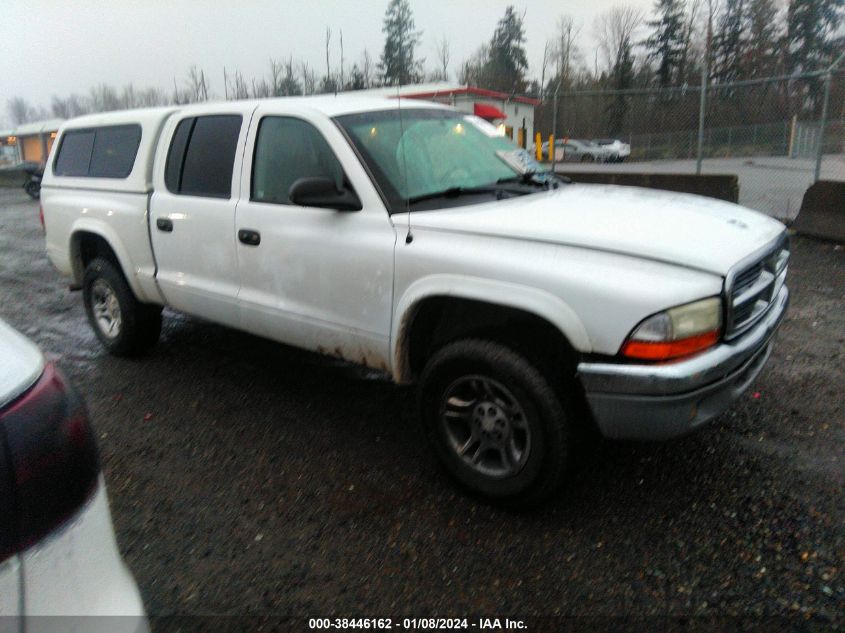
(413, 239)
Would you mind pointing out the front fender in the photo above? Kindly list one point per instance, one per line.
(533, 300)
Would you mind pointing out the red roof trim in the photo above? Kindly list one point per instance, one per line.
(480, 92)
(486, 111)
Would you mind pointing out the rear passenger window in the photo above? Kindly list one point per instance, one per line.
(202, 155)
(176, 155)
(74, 154)
(104, 152)
(114, 151)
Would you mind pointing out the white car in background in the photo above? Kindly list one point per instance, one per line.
(619, 151)
(58, 555)
(579, 151)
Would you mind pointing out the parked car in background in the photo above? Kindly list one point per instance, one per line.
(619, 150)
(578, 151)
(58, 555)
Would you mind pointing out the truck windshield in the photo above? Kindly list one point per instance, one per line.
(430, 153)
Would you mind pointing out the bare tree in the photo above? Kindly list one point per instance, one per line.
(328, 76)
(238, 88)
(150, 97)
(689, 30)
(197, 88)
(70, 107)
(275, 78)
(565, 51)
(614, 31)
(290, 84)
(472, 70)
(261, 89)
(104, 98)
(367, 69)
(128, 97)
(309, 79)
(341, 60)
(710, 16)
(443, 56)
(548, 53)
(19, 110)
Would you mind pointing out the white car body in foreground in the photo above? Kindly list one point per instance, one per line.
(75, 569)
(657, 307)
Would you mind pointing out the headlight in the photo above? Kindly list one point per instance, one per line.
(679, 331)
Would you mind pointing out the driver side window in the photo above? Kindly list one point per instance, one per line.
(286, 150)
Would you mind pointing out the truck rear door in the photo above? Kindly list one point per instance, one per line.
(192, 211)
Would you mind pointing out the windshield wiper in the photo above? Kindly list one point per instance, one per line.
(455, 192)
(538, 178)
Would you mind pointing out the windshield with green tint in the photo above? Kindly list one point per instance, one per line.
(427, 158)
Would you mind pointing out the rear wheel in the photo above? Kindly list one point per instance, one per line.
(495, 422)
(124, 325)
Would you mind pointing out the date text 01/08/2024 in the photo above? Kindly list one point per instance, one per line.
(436, 624)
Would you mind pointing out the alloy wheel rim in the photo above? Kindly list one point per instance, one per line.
(485, 425)
(106, 309)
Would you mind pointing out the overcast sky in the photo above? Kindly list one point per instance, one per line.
(62, 46)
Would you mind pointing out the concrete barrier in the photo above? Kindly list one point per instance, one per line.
(822, 212)
(722, 187)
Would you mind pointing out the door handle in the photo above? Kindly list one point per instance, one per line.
(249, 237)
(163, 224)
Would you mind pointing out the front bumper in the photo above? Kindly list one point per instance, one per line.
(653, 402)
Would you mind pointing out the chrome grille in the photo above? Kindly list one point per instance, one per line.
(753, 286)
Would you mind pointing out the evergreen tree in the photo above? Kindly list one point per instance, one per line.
(507, 62)
(398, 65)
(811, 36)
(666, 44)
(812, 42)
(622, 76)
(356, 79)
(729, 42)
(762, 29)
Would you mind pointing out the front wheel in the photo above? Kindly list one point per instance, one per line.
(124, 325)
(495, 422)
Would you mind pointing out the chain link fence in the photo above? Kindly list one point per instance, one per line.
(774, 133)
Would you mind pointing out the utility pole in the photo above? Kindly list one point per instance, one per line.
(828, 78)
(702, 106)
(554, 127)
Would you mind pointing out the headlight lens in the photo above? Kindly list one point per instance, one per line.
(679, 331)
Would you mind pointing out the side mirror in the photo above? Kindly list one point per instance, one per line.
(323, 192)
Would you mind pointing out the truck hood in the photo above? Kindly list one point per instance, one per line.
(682, 229)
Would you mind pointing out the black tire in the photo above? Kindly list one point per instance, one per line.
(33, 189)
(541, 468)
(109, 299)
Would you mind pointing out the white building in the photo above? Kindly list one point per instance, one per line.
(32, 141)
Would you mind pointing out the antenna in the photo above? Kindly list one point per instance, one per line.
(409, 237)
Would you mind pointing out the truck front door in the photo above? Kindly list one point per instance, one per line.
(316, 278)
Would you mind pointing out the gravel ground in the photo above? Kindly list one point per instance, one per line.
(250, 478)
